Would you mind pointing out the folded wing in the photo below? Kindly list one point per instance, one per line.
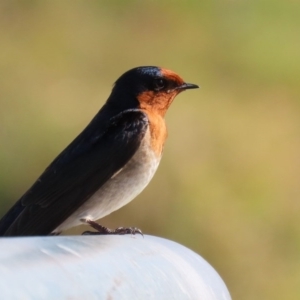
(76, 174)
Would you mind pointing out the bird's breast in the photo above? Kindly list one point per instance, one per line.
(125, 184)
(158, 132)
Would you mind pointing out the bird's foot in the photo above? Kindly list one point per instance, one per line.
(104, 230)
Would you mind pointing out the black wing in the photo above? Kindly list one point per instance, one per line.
(76, 174)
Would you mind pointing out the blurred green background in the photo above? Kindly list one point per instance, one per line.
(228, 186)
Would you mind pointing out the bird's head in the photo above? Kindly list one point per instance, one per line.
(150, 88)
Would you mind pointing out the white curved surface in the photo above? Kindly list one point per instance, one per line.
(105, 267)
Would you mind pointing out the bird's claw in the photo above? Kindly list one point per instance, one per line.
(91, 233)
(127, 230)
(101, 230)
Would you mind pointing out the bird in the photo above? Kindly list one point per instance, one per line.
(107, 165)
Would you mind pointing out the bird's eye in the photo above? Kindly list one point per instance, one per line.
(159, 84)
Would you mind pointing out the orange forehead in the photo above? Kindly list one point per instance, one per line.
(168, 74)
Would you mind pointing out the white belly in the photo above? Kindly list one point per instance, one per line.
(123, 187)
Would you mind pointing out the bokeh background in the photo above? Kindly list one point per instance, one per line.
(228, 186)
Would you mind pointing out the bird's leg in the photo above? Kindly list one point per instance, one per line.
(55, 233)
(104, 230)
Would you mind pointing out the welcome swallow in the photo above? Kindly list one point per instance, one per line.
(109, 163)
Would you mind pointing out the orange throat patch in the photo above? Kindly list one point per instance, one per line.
(157, 102)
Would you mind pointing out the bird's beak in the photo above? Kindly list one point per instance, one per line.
(184, 86)
(187, 86)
